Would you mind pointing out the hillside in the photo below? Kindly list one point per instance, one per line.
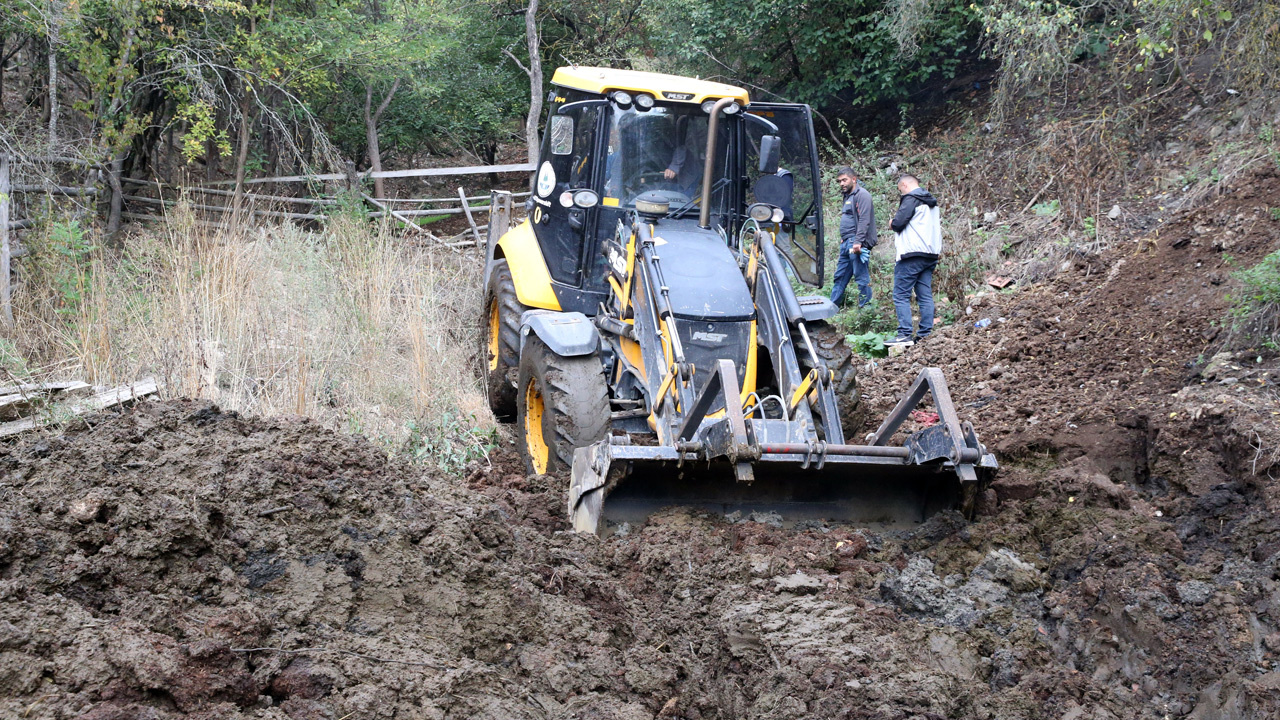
(176, 560)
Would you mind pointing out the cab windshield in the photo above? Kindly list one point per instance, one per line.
(660, 150)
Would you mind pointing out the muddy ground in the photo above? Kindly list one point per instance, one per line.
(177, 561)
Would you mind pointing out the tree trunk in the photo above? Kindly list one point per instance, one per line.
(211, 156)
(535, 80)
(242, 154)
(491, 158)
(168, 155)
(53, 75)
(371, 118)
(6, 312)
(117, 193)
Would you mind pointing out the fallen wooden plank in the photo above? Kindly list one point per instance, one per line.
(17, 426)
(17, 400)
(11, 406)
(68, 386)
(104, 399)
(402, 218)
(470, 219)
(117, 395)
(397, 215)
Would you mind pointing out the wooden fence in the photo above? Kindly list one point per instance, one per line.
(148, 200)
(404, 212)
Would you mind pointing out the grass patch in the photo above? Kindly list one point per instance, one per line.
(353, 326)
(1255, 307)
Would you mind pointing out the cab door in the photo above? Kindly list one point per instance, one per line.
(801, 238)
(569, 162)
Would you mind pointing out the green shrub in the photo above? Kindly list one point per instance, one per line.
(450, 443)
(1255, 308)
(870, 344)
(63, 258)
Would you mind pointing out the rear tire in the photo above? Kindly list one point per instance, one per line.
(562, 404)
(500, 341)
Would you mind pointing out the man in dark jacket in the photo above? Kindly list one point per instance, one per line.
(917, 231)
(857, 237)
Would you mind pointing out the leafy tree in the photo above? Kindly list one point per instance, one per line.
(828, 52)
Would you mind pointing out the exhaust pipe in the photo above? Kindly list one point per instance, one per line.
(704, 214)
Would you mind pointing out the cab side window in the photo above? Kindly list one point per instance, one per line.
(561, 134)
(584, 147)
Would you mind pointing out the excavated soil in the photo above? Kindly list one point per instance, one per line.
(174, 560)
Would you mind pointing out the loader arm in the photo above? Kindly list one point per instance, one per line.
(704, 420)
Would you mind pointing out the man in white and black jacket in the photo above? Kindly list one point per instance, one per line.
(857, 237)
(917, 229)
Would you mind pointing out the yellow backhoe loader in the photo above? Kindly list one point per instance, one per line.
(643, 331)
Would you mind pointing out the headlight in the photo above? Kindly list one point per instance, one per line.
(566, 199)
(732, 108)
(707, 106)
(760, 212)
(777, 215)
(583, 199)
(644, 101)
(622, 98)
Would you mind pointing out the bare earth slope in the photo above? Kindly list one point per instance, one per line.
(177, 561)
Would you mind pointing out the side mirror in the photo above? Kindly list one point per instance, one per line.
(770, 152)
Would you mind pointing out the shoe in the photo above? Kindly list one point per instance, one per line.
(903, 341)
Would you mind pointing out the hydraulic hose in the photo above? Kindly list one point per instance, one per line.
(778, 272)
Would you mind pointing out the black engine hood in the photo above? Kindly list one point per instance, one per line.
(701, 273)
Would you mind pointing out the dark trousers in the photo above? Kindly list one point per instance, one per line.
(914, 274)
(851, 267)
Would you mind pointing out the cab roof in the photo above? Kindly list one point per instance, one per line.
(664, 87)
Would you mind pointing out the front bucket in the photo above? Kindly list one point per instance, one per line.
(616, 484)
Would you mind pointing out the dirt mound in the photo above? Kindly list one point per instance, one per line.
(178, 561)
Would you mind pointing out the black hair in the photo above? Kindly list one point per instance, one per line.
(846, 170)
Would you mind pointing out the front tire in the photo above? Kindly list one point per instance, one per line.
(562, 404)
(500, 341)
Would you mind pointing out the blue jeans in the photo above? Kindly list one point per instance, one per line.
(914, 274)
(851, 267)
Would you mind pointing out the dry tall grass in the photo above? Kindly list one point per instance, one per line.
(357, 328)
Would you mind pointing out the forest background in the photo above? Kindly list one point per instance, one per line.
(246, 86)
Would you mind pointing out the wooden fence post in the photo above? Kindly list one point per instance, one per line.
(353, 182)
(500, 205)
(6, 301)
